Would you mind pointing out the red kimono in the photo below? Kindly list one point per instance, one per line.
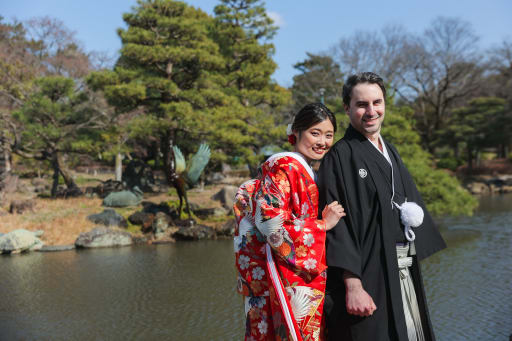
(280, 208)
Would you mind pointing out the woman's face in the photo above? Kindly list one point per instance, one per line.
(314, 142)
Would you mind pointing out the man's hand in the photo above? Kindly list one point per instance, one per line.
(357, 299)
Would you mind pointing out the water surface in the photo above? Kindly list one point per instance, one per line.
(185, 291)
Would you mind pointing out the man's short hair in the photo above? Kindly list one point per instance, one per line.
(363, 77)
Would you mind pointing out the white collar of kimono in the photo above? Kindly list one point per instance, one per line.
(384, 151)
(297, 157)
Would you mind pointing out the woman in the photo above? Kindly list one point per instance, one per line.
(279, 242)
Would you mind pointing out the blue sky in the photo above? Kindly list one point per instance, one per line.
(305, 26)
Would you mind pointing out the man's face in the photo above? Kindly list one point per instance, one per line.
(366, 109)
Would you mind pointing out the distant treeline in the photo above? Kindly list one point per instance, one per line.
(184, 77)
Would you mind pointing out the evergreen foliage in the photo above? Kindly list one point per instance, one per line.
(243, 31)
(441, 191)
(57, 119)
(170, 68)
(484, 122)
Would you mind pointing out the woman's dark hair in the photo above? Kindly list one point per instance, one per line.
(310, 115)
(363, 77)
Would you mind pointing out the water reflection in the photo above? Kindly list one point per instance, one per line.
(186, 291)
(469, 285)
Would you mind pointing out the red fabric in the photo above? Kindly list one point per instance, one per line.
(286, 199)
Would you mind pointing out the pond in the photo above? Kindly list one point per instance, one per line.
(186, 291)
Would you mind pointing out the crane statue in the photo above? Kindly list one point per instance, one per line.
(182, 176)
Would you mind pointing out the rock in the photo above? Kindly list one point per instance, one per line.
(144, 219)
(20, 240)
(161, 225)
(195, 232)
(108, 217)
(478, 188)
(103, 237)
(215, 178)
(54, 248)
(228, 229)
(20, 206)
(150, 207)
(226, 196)
(210, 212)
(138, 239)
(506, 189)
(123, 198)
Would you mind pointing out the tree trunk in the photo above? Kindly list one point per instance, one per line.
(56, 168)
(119, 167)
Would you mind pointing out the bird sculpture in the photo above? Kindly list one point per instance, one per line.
(182, 176)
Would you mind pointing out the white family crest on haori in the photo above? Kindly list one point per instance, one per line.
(363, 173)
(411, 215)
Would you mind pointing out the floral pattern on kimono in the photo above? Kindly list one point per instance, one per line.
(280, 207)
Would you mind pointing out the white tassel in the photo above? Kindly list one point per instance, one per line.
(411, 215)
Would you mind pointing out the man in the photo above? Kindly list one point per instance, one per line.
(370, 295)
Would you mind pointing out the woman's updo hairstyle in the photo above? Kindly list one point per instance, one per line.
(307, 117)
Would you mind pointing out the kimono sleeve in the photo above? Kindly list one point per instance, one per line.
(286, 216)
(342, 247)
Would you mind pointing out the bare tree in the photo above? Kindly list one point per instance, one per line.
(379, 52)
(440, 70)
(57, 48)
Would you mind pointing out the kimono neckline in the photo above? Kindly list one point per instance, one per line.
(297, 157)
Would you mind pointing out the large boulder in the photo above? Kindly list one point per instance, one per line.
(103, 237)
(194, 232)
(226, 196)
(108, 217)
(150, 207)
(478, 188)
(144, 219)
(123, 198)
(20, 240)
(162, 225)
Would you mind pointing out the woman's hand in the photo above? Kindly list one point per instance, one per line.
(332, 213)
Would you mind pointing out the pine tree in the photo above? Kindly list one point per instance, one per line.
(168, 67)
(243, 31)
(57, 119)
(317, 72)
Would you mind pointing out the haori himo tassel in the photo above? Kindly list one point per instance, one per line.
(411, 215)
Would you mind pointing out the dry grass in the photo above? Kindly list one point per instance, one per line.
(62, 220)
